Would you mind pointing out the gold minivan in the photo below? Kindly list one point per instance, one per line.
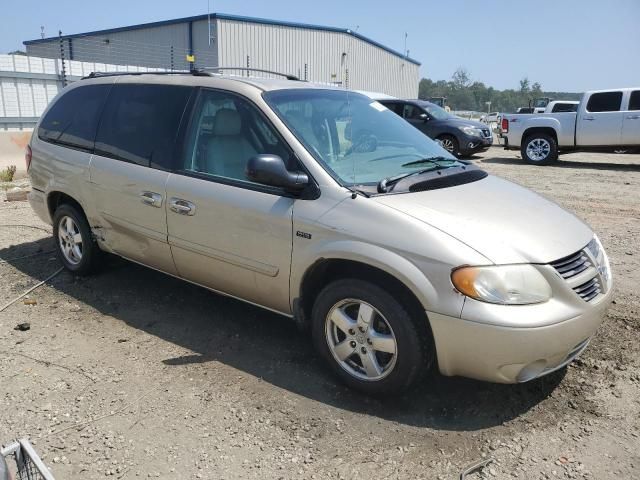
(320, 204)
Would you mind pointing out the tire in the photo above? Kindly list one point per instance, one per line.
(539, 149)
(450, 144)
(385, 372)
(75, 246)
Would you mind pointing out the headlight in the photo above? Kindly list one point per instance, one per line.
(469, 130)
(506, 284)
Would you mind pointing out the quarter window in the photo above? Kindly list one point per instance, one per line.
(565, 107)
(412, 112)
(226, 131)
(73, 119)
(605, 102)
(140, 123)
(634, 100)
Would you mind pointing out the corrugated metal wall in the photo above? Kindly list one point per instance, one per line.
(159, 47)
(281, 48)
(289, 49)
(28, 84)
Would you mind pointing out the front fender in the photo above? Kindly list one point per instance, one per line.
(386, 260)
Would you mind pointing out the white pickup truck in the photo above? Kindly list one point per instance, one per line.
(605, 119)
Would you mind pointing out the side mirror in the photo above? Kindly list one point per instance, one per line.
(271, 170)
(424, 117)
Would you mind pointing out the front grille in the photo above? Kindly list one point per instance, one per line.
(572, 265)
(589, 290)
(486, 132)
(586, 271)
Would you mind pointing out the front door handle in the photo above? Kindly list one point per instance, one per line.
(588, 118)
(633, 117)
(152, 199)
(183, 207)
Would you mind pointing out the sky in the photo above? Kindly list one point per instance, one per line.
(566, 45)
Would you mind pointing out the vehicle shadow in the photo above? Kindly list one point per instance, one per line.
(268, 346)
(626, 167)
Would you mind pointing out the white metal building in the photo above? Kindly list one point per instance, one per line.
(312, 52)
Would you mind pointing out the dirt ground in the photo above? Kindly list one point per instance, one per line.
(133, 374)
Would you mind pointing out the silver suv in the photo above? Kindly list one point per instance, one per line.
(322, 205)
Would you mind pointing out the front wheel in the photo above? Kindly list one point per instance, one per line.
(450, 144)
(369, 339)
(540, 149)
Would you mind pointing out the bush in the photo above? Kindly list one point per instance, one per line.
(7, 174)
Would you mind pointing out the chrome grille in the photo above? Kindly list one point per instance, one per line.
(572, 265)
(586, 271)
(589, 290)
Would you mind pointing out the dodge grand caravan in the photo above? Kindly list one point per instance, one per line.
(322, 205)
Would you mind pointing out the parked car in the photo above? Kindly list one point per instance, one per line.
(490, 117)
(393, 254)
(558, 106)
(458, 136)
(605, 119)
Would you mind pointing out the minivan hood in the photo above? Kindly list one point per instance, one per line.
(503, 221)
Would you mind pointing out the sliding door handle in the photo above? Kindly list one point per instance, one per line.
(152, 199)
(183, 207)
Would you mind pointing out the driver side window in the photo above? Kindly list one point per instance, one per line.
(226, 131)
(411, 112)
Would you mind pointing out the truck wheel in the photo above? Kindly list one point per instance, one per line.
(368, 337)
(539, 149)
(450, 144)
(75, 246)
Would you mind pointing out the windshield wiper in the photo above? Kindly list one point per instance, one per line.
(435, 160)
(385, 184)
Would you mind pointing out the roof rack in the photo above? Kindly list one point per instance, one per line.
(288, 76)
(197, 73)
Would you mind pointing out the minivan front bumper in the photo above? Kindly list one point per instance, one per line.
(511, 354)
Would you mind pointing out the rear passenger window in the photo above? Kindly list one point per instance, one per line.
(565, 107)
(634, 100)
(73, 119)
(605, 102)
(140, 123)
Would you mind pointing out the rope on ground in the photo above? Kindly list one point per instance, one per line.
(83, 424)
(28, 226)
(48, 364)
(31, 289)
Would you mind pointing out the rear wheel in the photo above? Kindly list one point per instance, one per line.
(369, 339)
(75, 246)
(450, 144)
(539, 149)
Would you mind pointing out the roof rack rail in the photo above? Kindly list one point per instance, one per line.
(197, 73)
(288, 76)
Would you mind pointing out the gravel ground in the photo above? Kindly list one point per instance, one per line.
(132, 374)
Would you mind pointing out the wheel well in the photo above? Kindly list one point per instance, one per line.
(534, 130)
(325, 271)
(55, 199)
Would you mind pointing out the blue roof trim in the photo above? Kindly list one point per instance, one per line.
(224, 16)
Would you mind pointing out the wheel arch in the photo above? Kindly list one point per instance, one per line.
(57, 197)
(537, 130)
(385, 268)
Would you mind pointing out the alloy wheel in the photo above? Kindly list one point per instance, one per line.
(447, 144)
(361, 340)
(538, 149)
(70, 240)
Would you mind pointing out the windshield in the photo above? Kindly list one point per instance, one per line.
(358, 140)
(435, 111)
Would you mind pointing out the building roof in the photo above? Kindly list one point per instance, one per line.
(224, 16)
